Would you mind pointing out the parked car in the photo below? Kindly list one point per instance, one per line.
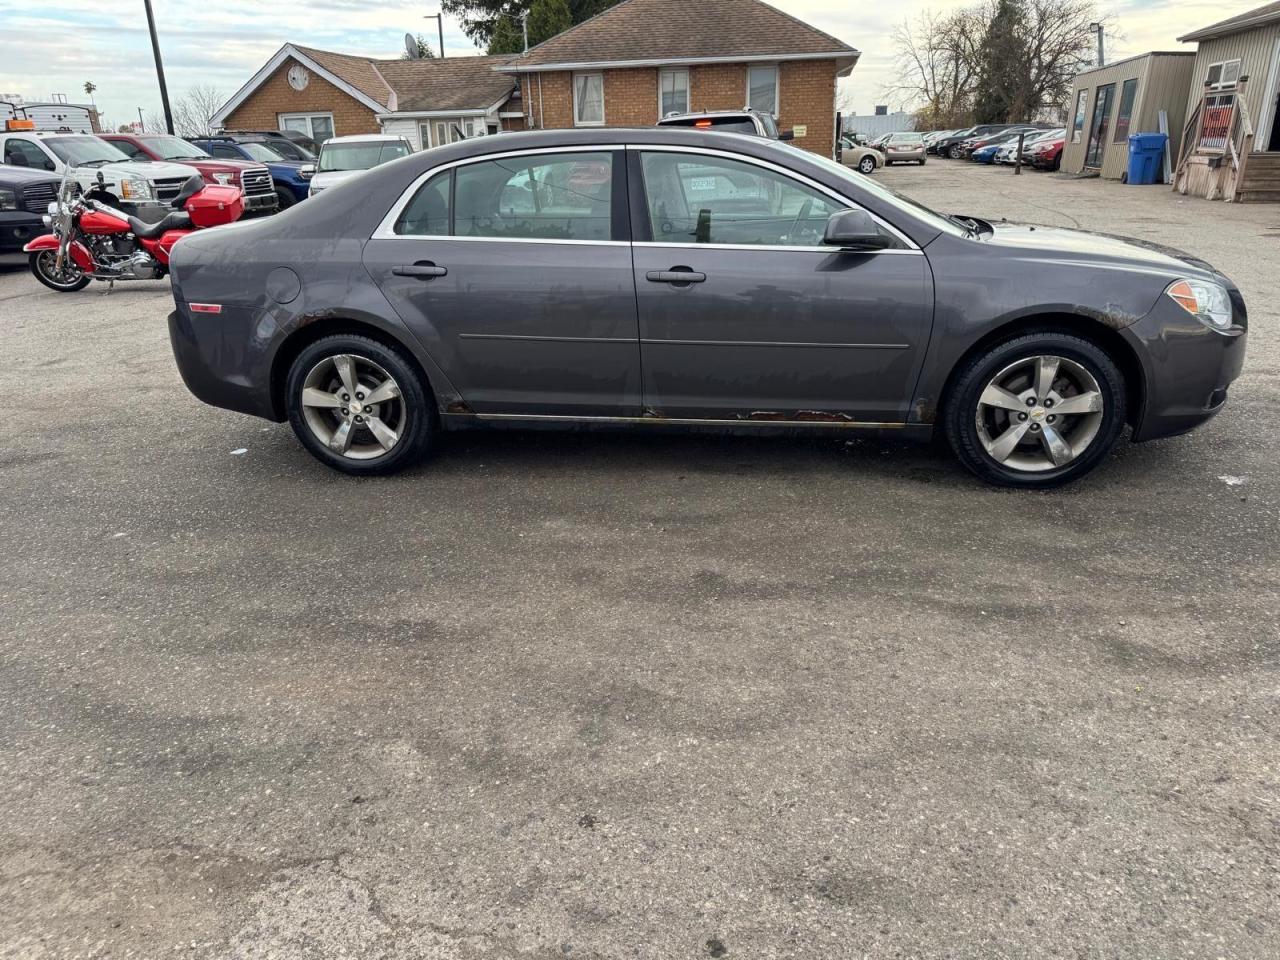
(25, 195)
(986, 150)
(904, 148)
(931, 140)
(731, 281)
(342, 158)
(290, 184)
(1008, 152)
(949, 147)
(863, 159)
(748, 121)
(295, 145)
(966, 148)
(253, 178)
(1046, 154)
(142, 189)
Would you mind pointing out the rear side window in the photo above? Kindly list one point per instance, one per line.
(558, 196)
(427, 214)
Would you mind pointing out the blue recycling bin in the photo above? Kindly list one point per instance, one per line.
(1145, 151)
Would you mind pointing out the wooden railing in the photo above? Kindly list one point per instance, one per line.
(1219, 131)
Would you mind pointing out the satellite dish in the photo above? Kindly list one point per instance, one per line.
(411, 47)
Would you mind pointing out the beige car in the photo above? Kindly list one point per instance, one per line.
(904, 148)
(863, 159)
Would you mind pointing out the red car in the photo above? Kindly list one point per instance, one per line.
(1046, 154)
(253, 178)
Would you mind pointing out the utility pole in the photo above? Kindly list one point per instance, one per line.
(155, 48)
(1099, 29)
(439, 19)
(142, 125)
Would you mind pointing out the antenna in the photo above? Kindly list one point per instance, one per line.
(411, 47)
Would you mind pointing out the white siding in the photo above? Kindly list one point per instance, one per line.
(407, 128)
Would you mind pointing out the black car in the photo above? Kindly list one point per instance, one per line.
(949, 147)
(668, 277)
(287, 146)
(25, 195)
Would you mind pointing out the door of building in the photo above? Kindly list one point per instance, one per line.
(1098, 128)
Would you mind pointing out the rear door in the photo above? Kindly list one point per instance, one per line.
(515, 271)
(744, 315)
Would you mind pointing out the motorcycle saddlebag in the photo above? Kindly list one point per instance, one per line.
(216, 205)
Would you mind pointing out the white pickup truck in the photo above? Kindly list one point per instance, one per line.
(139, 186)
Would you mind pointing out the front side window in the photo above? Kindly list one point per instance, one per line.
(673, 92)
(762, 89)
(588, 99)
(130, 150)
(256, 151)
(695, 198)
(1127, 94)
(18, 151)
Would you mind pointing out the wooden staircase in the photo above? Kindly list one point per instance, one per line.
(1261, 180)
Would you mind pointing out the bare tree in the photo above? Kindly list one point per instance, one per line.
(937, 65)
(192, 112)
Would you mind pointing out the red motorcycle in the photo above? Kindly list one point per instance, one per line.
(92, 240)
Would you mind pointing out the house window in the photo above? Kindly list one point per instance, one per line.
(1077, 122)
(1222, 75)
(762, 89)
(673, 92)
(588, 99)
(1127, 94)
(317, 126)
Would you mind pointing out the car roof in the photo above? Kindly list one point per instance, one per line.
(366, 138)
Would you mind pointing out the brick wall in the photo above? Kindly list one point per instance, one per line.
(807, 92)
(262, 108)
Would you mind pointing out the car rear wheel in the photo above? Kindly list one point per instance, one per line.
(1037, 411)
(44, 264)
(867, 165)
(359, 406)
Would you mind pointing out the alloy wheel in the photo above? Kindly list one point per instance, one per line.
(68, 277)
(353, 407)
(1039, 413)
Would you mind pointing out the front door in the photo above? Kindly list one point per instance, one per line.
(515, 273)
(1098, 128)
(1271, 108)
(745, 316)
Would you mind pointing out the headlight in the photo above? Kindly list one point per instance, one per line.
(8, 199)
(225, 178)
(1208, 302)
(135, 188)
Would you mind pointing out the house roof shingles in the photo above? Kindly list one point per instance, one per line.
(454, 83)
(1256, 17)
(675, 30)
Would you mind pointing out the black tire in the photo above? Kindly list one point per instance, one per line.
(421, 420)
(960, 410)
(867, 165)
(41, 263)
(286, 199)
(922, 161)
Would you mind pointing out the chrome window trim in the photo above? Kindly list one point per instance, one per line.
(386, 229)
(835, 195)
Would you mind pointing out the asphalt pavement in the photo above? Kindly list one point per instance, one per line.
(654, 696)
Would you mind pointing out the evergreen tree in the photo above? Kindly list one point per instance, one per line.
(1002, 66)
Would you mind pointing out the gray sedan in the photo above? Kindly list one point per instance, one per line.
(669, 277)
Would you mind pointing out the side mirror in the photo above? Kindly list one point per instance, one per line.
(307, 171)
(786, 135)
(854, 230)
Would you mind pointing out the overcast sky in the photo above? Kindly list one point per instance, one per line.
(56, 48)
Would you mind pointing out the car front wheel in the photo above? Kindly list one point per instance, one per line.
(359, 406)
(1037, 411)
(867, 165)
(284, 198)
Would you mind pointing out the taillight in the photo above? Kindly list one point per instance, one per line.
(702, 123)
(205, 307)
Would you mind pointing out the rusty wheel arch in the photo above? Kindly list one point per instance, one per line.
(1105, 337)
(309, 333)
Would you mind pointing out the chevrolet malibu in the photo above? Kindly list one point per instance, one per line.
(672, 277)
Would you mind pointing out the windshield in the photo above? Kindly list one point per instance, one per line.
(174, 148)
(290, 150)
(891, 197)
(359, 156)
(78, 151)
(262, 153)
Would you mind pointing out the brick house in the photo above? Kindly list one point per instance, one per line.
(643, 59)
(326, 94)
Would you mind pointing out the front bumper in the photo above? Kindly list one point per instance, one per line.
(18, 227)
(261, 202)
(1188, 369)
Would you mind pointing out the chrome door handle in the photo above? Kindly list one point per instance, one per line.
(679, 275)
(422, 271)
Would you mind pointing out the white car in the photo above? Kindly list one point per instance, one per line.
(1009, 152)
(342, 158)
(136, 184)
